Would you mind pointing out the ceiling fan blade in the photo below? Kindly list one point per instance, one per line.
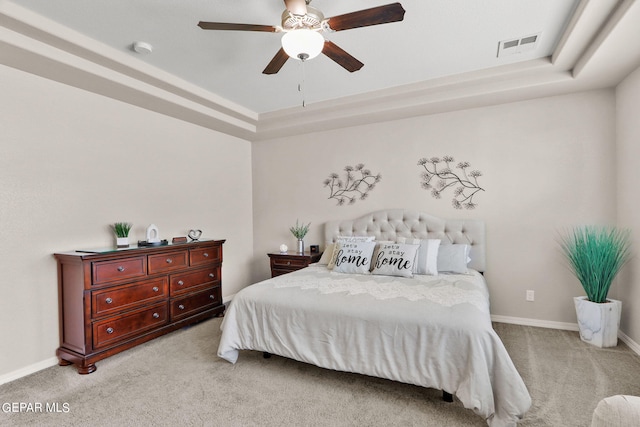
(341, 57)
(235, 27)
(276, 63)
(296, 7)
(364, 18)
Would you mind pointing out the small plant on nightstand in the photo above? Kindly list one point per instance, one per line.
(299, 231)
(121, 230)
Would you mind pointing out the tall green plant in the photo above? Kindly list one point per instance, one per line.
(595, 255)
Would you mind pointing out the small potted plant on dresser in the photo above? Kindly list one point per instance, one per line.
(595, 255)
(299, 231)
(121, 230)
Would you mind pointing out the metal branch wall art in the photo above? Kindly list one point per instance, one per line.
(357, 184)
(464, 184)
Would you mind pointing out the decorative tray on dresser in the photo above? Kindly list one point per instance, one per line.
(113, 299)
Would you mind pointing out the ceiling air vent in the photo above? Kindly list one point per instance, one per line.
(524, 44)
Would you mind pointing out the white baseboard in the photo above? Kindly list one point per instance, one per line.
(628, 341)
(534, 322)
(28, 370)
(634, 346)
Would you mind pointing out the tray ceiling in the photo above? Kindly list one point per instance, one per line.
(444, 52)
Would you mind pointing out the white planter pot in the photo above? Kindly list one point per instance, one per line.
(122, 242)
(598, 323)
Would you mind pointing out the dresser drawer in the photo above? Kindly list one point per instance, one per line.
(206, 255)
(108, 331)
(284, 262)
(168, 261)
(124, 297)
(111, 271)
(193, 303)
(183, 282)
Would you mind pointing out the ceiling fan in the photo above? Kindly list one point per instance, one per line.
(302, 25)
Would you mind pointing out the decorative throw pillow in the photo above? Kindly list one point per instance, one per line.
(355, 238)
(379, 243)
(353, 257)
(427, 258)
(395, 259)
(332, 261)
(327, 254)
(453, 258)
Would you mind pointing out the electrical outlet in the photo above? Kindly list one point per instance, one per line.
(531, 295)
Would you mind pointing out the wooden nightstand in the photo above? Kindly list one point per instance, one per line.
(282, 263)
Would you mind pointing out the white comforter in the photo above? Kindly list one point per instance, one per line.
(432, 331)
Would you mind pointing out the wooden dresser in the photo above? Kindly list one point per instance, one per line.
(282, 263)
(114, 299)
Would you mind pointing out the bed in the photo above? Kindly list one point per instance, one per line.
(399, 317)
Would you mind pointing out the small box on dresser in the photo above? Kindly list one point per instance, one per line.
(114, 299)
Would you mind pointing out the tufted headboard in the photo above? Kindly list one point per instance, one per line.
(390, 224)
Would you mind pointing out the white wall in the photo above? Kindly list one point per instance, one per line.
(71, 163)
(627, 287)
(547, 164)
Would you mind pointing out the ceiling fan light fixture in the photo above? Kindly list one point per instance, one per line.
(303, 43)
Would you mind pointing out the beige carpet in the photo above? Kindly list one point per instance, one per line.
(179, 380)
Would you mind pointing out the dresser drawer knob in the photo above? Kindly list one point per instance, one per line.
(156, 315)
(121, 269)
(212, 275)
(109, 330)
(206, 255)
(108, 300)
(180, 282)
(288, 262)
(181, 307)
(212, 297)
(169, 260)
(155, 289)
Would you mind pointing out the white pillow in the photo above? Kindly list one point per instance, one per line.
(377, 248)
(353, 257)
(327, 254)
(332, 260)
(453, 258)
(427, 258)
(355, 238)
(395, 259)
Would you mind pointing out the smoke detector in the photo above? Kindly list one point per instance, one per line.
(143, 48)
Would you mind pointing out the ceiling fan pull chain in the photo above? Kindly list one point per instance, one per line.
(301, 85)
